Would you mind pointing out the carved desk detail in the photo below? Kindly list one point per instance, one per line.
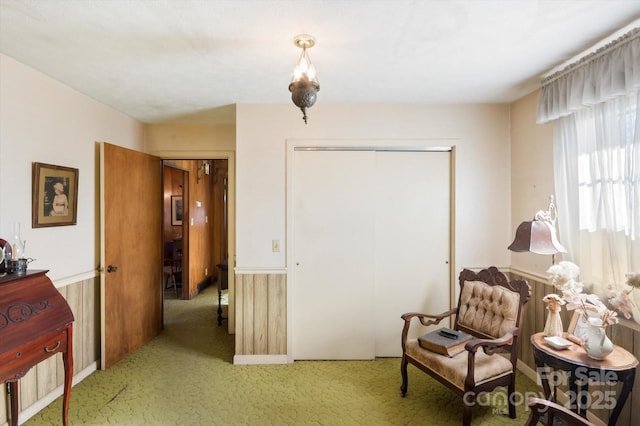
(35, 323)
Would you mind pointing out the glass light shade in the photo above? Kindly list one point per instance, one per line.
(19, 245)
(304, 85)
(304, 69)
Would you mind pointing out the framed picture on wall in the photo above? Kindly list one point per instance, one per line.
(176, 210)
(54, 195)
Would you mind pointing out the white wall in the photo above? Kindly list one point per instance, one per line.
(189, 138)
(481, 133)
(42, 120)
(531, 175)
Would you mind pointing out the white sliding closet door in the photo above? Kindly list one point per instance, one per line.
(412, 241)
(370, 241)
(334, 235)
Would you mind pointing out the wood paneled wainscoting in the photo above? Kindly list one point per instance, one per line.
(43, 383)
(626, 334)
(261, 317)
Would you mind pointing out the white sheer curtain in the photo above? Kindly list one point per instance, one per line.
(597, 163)
(606, 74)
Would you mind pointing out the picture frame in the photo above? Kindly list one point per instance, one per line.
(578, 326)
(176, 210)
(54, 195)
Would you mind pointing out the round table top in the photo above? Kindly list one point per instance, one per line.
(618, 360)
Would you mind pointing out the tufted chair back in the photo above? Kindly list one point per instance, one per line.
(488, 310)
(490, 305)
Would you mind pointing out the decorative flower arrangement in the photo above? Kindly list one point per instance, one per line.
(563, 276)
(620, 299)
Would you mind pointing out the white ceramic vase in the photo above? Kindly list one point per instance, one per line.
(553, 326)
(597, 344)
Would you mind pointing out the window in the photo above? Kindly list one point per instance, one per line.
(605, 173)
(593, 103)
(597, 173)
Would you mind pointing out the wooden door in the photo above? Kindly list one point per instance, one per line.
(131, 250)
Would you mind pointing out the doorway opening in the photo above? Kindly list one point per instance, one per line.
(195, 226)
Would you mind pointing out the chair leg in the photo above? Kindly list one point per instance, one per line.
(511, 395)
(171, 282)
(403, 371)
(468, 401)
(466, 414)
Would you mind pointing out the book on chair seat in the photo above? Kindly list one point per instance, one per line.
(445, 341)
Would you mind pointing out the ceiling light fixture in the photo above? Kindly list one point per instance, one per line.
(304, 85)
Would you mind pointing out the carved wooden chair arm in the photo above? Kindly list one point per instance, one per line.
(540, 407)
(434, 319)
(490, 346)
(425, 319)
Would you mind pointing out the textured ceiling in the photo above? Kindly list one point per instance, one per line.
(186, 60)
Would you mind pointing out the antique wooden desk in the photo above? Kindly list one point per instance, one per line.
(35, 323)
(619, 366)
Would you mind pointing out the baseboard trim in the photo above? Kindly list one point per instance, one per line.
(259, 359)
(40, 404)
(239, 270)
(529, 372)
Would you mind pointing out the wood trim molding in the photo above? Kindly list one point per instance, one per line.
(259, 359)
(63, 282)
(527, 274)
(243, 270)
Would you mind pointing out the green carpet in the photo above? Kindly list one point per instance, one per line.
(185, 376)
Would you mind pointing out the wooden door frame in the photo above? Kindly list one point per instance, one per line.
(184, 278)
(231, 216)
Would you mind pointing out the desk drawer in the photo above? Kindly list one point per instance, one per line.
(16, 363)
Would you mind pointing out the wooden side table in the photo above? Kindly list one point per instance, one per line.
(35, 323)
(619, 366)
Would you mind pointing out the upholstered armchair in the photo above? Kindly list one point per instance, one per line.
(490, 308)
